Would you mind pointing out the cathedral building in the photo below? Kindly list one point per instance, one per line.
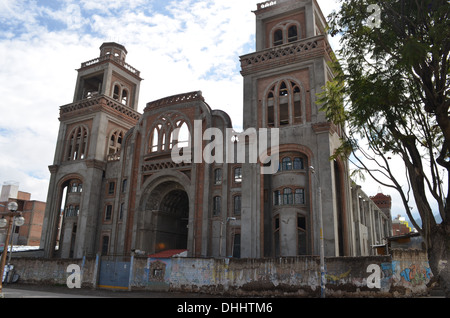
(116, 186)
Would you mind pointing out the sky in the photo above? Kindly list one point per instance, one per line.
(178, 46)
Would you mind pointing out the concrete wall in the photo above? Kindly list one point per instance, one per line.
(54, 272)
(403, 274)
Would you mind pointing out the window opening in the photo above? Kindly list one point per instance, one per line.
(116, 92)
(287, 196)
(283, 89)
(299, 197)
(292, 34)
(184, 136)
(278, 37)
(163, 144)
(286, 164)
(122, 207)
(77, 144)
(108, 212)
(270, 116)
(124, 185)
(217, 205)
(238, 175)
(124, 97)
(112, 185)
(298, 164)
(237, 205)
(154, 144)
(218, 176)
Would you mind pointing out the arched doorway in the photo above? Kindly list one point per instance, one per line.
(172, 221)
(165, 218)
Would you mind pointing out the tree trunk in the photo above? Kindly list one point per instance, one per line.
(439, 255)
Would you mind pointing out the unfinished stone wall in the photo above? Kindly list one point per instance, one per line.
(405, 273)
(54, 272)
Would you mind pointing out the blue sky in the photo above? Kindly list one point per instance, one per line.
(178, 45)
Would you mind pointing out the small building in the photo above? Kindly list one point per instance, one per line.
(400, 226)
(372, 222)
(412, 240)
(33, 211)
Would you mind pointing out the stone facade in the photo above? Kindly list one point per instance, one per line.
(115, 187)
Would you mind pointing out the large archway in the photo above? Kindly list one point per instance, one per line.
(172, 221)
(166, 217)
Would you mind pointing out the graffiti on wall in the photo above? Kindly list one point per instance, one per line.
(416, 274)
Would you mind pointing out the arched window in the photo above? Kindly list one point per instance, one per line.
(283, 89)
(180, 136)
(115, 142)
(116, 93)
(283, 104)
(154, 140)
(184, 136)
(77, 144)
(285, 32)
(124, 97)
(292, 34)
(278, 37)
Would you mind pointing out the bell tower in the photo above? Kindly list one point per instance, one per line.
(281, 82)
(92, 130)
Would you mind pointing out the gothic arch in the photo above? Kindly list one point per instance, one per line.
(160, 136)
(77, 143)
(59, 213)
(165, 213)
(273, 94)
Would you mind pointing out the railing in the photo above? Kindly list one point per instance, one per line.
(176, 99)
(267, 4)
(113, 58)
(99, 101)
(279, 54)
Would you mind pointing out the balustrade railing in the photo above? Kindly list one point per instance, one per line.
(115, 59)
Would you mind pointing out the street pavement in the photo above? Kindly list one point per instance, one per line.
(47, 291)
(51, 291)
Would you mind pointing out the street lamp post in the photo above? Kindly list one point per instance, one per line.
(322, 252)
(12, 207)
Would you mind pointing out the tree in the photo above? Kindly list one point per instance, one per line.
(391, 92)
